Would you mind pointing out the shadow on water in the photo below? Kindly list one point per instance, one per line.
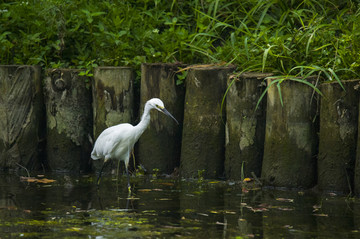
(76, 208)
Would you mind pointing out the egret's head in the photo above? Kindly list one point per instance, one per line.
(156, 103)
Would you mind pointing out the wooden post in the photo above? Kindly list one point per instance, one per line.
(357, 160)
(290, 136)
(339, 112)
(113, 101)
(245, 126)
(203, 139)
(21, 112)
(160, 145)
(69, 120)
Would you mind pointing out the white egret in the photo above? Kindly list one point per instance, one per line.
(116, 142)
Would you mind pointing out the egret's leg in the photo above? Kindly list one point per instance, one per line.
(101, 170)
(127, 174)
(128, 177)
(126, 162)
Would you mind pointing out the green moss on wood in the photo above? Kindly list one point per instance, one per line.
(290, 137)
(159, 147)
(338, 135)
(245, 126)
(203, 135)
(69, 120)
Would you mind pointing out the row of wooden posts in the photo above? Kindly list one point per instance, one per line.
(50, 120)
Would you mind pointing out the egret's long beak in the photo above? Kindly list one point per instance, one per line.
(168, 114)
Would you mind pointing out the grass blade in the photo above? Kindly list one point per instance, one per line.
(279, 90)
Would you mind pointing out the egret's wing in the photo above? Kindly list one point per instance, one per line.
(111, 138)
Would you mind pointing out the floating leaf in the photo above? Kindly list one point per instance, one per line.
(284, 199)
(215, 212)
(285, 208)
(46, 186)
(263, 209)
(214, 182)
(45, 180)
(74, 229)
(321, 215)
(220, 223)
(203, 214)
(28, 179)
(36, 180)
(230, 212)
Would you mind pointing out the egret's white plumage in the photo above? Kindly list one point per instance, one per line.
(116, 142)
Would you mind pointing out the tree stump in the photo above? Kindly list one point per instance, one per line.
(203, 138)
(290, 136)
(245, 126)
(69, 120)
(160, 145)
(339, 112)
(113, 101)
(21, 111)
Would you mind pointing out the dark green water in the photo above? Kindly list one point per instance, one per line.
(168, 208)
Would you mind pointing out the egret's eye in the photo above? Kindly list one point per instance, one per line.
(158, 106)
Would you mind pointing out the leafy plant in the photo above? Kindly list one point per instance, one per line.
(289, 38)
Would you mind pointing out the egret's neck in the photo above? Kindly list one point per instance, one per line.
(144, 122)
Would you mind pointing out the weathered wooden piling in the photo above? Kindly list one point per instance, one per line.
(357, 160)
(290, 136)
(69, 120)
(339, 110)
(113, 97)
(21, 111)
(160, 145)
(245, 125)
(113, 101)
(203, 138)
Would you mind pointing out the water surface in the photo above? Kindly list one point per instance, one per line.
(73, 207)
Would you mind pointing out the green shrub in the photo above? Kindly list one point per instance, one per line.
(291, 38)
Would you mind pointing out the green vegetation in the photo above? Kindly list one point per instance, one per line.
(288, 37)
